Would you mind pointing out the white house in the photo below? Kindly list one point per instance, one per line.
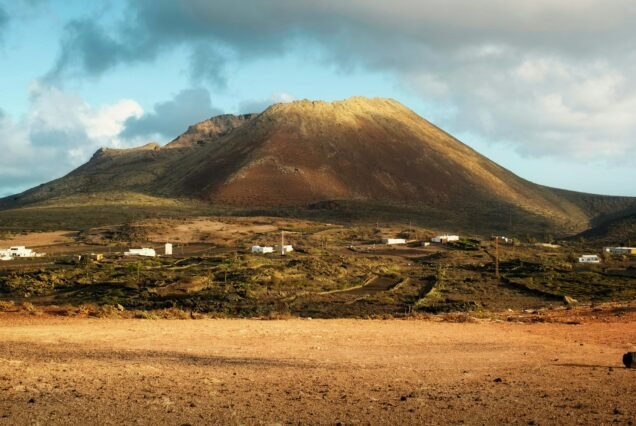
(393, 241)
(620, 250)
(287, 248)
(168, 249)
(589, 258)
(445, 238)
(501, 238)
(5, 255)
(145, 251)
(20, 251)
(262, 249)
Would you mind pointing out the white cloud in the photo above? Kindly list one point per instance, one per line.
(540, 104)
(59, 132)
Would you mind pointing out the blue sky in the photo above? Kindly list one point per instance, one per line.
(510, 79)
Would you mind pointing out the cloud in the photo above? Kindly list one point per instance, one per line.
(171, 118)
(551, 78)
(59, 132)
(259, 105)
(207, 64)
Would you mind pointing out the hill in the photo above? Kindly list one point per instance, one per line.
(619, 231)
(359, 157)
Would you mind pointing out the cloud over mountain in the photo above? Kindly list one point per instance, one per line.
(550, 78)
(59, 132)
(171, 118)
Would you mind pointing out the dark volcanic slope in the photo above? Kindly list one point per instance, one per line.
(620, 231)
(362, 150)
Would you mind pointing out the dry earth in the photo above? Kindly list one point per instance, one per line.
(39, 239)
(96, 371)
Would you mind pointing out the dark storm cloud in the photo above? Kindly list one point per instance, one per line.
(573, 27)
(171, 118)
(551, 77)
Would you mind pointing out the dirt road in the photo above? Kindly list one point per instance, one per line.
(96, 371)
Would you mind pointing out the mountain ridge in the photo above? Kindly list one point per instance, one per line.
(303, 152)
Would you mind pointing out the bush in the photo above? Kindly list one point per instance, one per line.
(7, 305)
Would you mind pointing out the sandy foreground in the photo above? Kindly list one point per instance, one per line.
(99, 371)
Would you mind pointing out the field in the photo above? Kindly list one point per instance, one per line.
(336, 271)
(564, 370)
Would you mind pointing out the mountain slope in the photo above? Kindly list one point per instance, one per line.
(366, 151)
(620, 231)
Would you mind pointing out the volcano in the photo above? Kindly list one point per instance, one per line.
(311, 154)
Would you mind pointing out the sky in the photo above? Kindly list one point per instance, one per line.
(544, 88)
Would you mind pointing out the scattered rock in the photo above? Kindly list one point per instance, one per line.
(32, 401)
(629, 359)
(617, 412)
(570, 301)
(120, 307)
(498, 380)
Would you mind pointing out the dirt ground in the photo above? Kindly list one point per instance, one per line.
(39, 239)
(56, 370)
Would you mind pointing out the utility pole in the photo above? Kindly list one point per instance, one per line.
(497, 257)
(282, 243)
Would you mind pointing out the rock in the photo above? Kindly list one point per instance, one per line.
(569, 301)
(119, 307)
(498, 380)
(629, 359)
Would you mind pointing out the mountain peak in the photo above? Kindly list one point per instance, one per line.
(355, 103)
(210, 130)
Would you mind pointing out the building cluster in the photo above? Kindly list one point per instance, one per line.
(615, 251)
(284, 249)
(18, 251)
(444, 239)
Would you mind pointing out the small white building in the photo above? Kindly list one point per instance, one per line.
(547, 245)
(445, 238)
(394, 241)
(589, 258)
(502, 239)
(262, 249)
(287, 248)
(167, 249)
(145, 251)
(19, 251)
(620, 250)
(5, 255)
